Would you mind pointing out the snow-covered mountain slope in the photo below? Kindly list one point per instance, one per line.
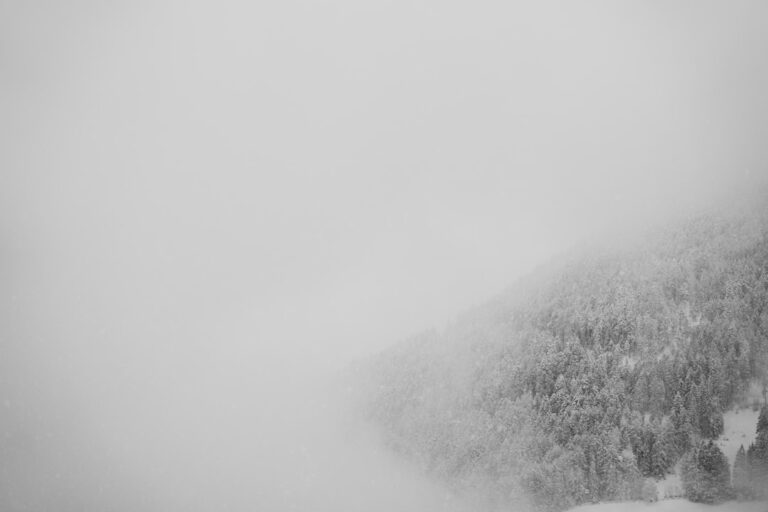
(593, 374)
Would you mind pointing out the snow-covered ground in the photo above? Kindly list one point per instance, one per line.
(677, 505)
(739, 430)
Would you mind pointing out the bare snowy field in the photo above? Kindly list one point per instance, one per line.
(739, 429)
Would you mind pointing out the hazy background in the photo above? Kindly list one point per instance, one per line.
(206, 206)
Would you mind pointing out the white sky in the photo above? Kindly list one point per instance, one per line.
(205, 197)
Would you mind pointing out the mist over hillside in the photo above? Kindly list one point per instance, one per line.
(210, 209)
(598, 370)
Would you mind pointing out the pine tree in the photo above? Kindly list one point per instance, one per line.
(715, 464)
(690, 473)
(757, 458)
(681, 425)
(710, 416)
(640, 396)
(706, 476)
(656, 394)
(741, 472)
(661, 456)
(762, 420)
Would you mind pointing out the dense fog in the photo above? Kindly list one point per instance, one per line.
(207, 209)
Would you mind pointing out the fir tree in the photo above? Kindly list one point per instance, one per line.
(762, 419)
(681, 425)
(705, 473)
(741, 473)
(757, 459)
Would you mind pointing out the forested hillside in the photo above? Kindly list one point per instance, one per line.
(596, 372)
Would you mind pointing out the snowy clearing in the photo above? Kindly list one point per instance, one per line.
(739, 429)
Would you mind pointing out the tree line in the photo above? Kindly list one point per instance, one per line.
(594, 374)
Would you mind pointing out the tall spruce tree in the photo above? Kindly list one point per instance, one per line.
(705, 474)
(762, 419)
(681, 425)
(741, 473)
(757, 458)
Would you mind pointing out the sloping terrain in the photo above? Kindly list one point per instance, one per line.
(588, 376)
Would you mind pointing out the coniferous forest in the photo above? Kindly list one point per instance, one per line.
(595, 373)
